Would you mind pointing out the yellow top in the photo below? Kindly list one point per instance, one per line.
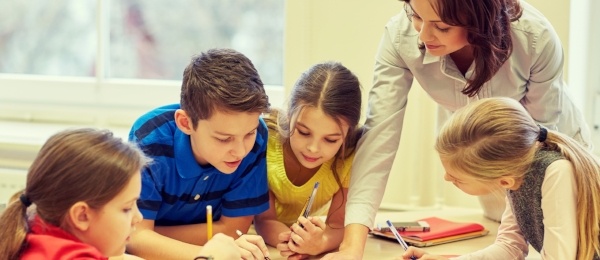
(289, 198)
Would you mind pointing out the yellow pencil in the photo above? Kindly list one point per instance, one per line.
(209, 232)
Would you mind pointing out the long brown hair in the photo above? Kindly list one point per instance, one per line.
(488, 31)
(73, 165)
(334, 89)
(496, 137)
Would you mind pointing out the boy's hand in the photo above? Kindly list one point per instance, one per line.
(219, 247)
(307, 236)
(252, 247)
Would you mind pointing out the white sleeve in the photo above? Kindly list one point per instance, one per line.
(509, 244)
(560, 225)
(377, 148)
(559, 198)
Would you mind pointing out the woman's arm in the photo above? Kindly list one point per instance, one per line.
(353, 245)
(377, 148)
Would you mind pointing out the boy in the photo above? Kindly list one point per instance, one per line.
(207, 150)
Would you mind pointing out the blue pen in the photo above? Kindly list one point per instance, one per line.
(399, 238)
(310, 200)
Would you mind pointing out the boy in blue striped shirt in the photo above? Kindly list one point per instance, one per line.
(207, 150)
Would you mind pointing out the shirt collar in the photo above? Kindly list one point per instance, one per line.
(428, 58)
(39, 226)
(185, 161)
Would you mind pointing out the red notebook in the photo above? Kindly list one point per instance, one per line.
(441, 231)
(440, 228)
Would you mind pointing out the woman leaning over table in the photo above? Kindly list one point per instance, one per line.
(459, 51)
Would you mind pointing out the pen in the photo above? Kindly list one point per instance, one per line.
(239, 233)
(209, 232)
(311, 199)
(306, 210)
(399, 238)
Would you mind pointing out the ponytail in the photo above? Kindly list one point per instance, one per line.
(14, 227)
(586, 168)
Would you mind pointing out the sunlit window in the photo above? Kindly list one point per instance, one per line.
(138, 39)
(48, 37)
(105, 62)
(156, 39)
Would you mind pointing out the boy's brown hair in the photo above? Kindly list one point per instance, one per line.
(222, 79)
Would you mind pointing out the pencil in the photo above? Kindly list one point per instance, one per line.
(240, 233)
(399, 237)
(209, 232)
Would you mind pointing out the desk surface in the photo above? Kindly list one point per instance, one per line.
(377, 248)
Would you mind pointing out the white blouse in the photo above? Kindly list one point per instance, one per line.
(533, 75)
(559, 198)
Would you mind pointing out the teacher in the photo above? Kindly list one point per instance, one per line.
(459, 51)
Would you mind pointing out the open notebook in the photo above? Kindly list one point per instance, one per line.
(441, 231)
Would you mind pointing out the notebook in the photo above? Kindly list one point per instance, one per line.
(441, 231)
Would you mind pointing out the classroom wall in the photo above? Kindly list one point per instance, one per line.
(349, 31)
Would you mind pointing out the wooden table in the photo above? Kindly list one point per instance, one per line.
(377, 248)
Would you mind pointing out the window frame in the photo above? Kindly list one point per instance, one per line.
(98, 100)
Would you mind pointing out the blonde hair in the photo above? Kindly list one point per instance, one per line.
(73, 165)
(496, 137)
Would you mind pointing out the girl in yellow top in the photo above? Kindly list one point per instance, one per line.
(313, 141)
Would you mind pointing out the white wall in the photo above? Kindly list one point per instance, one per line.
(584, 61)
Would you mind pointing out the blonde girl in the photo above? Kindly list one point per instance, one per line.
(552, 182)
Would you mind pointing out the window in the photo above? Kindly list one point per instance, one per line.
(89, 61)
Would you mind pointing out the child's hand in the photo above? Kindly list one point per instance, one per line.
(220, 248)
(307, 236)
(420, 254)
(282, 246)
(252, 247)
(284, 249)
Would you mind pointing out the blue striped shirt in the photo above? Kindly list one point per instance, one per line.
(176, 189)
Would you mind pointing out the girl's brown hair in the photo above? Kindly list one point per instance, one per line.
(496, 137)
(488, 31)
(332, 88)
(73, 165)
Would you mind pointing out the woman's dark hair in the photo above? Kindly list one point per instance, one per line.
(488, 31)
